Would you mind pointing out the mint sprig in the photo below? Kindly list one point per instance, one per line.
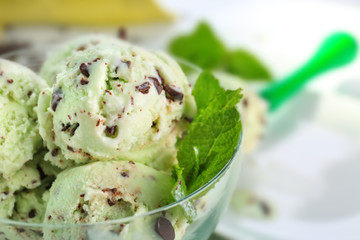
(203, 48)
(212, 136)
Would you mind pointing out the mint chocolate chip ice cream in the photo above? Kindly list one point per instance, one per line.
(19, 131)
(114, 101)
(58, 57)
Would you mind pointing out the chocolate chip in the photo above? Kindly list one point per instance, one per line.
(265, 208)
(173, 93)
(245, 102)
(6, 192)
(32, 213)
(70, 149)
(10, 81)
(122, 34)
(49, 217)
(160, 76)
(29, 94)
(81, 48)
(96, 59)
(54, 152)
(34, 181)
(164, 228)
(111, 130)
(65, 127)
(124, 174)
(56, 98)
(110, 202)
(84, 81)
(143, 88)
(157, 84)
(82, 195)
(73, 129)
(84, 69)
(98, 122)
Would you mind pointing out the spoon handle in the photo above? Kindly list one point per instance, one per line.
(337, 50)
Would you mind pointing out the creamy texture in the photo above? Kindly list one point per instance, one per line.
(115, 101)
(103, 191)
(19, 133)
(57, 59)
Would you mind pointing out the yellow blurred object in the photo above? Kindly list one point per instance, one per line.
(80, 12)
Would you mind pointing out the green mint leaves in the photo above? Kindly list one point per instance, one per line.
(212, 136)
(203, 48)
(244, 64)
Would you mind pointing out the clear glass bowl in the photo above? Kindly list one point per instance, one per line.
(210, 200)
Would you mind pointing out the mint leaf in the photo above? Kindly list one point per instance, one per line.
(179, 192)
(247, 66)
(212, 136)
(201, 47)
(206, 87)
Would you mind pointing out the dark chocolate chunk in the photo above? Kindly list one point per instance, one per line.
(49, 217)
(110, 202)
(173, 93)
(70, 149)
(164, 228)
(82, 195)
(20, 230)
(65, 127)
(96, 59)
(265, 208)
(84, 69)
(32, 213)
(56, 98)
(111, 130)
(124, 174)
(245, 102)
(84, 81)
(122, 34)
(160, 76)
(157, 84)
(143, 88)
(10, 81)
(29, 93)
(55, 152)
(73, 129)
(81, 48)
(98, 123)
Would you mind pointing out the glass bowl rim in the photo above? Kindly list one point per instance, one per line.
(133, 217)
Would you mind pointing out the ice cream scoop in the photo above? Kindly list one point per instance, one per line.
(19, 132)
(113, 101)
(104, 191)
(58, 57)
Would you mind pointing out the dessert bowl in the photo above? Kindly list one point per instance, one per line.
(210, 200)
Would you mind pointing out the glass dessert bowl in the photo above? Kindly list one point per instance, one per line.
(210, 200)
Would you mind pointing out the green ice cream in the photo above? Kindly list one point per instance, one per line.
(58, 58)
(103, 191)
(19, 133)
(115, 101)
(27, 177)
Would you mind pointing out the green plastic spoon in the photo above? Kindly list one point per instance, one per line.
(337, 50)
